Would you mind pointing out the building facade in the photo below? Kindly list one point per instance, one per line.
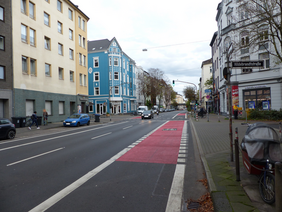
(205, 92)
(254, 88)
(45, 47)
(112, 78)
(6, 64)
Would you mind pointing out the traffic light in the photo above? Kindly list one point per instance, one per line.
(196, 102)
(173, 83)
(225, 73)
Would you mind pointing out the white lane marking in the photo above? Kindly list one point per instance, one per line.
(66, 191)
(174, 116)
(36, 156)
(47, 139)
(174, 202)
(102, 135)
(127, 127)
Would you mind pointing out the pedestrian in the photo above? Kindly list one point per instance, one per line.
(34, 120)
(45, 117)
(201, 112)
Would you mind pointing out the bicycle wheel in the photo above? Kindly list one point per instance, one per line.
(267, 188)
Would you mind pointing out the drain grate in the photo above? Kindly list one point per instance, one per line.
(193, 205)
(170, 129)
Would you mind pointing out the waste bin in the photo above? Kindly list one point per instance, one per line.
(16, 121)
(97, 117)
(22, 121)
(39, 120)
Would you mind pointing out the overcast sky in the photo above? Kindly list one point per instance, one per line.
(176, 33)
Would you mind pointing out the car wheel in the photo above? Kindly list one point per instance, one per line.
(78, 124)
(88, 123)
(142, 117)
(11, 134)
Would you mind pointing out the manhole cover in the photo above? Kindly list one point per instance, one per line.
(170, 129)
(193, 205)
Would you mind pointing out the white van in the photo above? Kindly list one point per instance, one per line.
(141, 109)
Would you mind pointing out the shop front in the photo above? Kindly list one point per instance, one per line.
(257, 98)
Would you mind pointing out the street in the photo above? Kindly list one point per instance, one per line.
(131, 165)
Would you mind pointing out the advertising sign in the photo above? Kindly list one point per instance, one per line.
(78, 108)
(265, 105)
(252, 104)
(235, 95)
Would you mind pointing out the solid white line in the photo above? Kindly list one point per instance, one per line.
(63, 193)
(36, 156)
(47, 139)
(174, 203)
(127, 127)
(102, 135)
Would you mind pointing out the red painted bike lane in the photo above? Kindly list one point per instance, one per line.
(162, 146)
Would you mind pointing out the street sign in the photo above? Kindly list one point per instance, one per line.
(208, 91)
(247, 64)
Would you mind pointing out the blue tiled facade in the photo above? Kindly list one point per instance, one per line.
(109, 68)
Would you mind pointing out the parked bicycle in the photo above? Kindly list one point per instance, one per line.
(261, 150)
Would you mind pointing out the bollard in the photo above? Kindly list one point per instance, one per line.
(197, 119)
(237, 155)
(218, 117)
(278, 186)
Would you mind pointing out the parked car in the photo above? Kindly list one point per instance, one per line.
(77, 119)
(7, 129)
(148, 114)
(141, 109)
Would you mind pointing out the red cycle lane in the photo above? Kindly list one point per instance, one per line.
(162, 146)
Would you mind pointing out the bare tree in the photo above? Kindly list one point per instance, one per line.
(156, 80)
(260, 24)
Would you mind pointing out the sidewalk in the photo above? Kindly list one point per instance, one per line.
(214, 146)
(58, 126)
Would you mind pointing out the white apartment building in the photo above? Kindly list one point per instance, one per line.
(258, 88)
(205, 93)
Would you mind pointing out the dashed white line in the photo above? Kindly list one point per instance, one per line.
(99, 136)
(127, 127)
(36, 156)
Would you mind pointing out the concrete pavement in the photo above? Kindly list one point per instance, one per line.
(214, 145)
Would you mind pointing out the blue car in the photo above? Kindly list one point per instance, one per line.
(77, 119)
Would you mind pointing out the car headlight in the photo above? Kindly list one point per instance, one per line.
(73, 122)
(64, 121)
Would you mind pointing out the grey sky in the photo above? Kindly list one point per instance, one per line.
(157, 25)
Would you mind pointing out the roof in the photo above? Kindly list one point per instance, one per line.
(76, 6)
(209, 61)
(213, 38)
(98, 45)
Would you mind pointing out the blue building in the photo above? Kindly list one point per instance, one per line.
(111, 78)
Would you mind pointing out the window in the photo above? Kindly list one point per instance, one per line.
(46, 19)
(2, 43)
(84, 80)
(70, 14)
(2, 72)
(127, 66)
(115, 61)
(24, 33)
(95, 62)
(60, 49)
(23, 6)
(61, 108)
(47, 43)
(116, 90)
(97, 91)
(265, 58)
(31, 10)
(80, 79)
(263, 33)
(229, 19)
(47, 70)
(79, 40)
(59, 5)
(83, 42)
(116, 76)
(110, 61)
(83, 25)
(79, 21)
(110, 75)
(243, 12)
(32, 37)
(60, 27)
(71, 76)
(70, 34)
(48, 107)
(245, 38)
(61, 73)
(96, 76)
(1, 14)
(84, 60)
(80, 59)
(71, 54)
(32, 67)
(24, 65)
(227, 43)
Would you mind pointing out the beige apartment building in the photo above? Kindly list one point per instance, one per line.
(49, 58)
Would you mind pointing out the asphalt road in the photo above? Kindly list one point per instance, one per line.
(133, 165)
